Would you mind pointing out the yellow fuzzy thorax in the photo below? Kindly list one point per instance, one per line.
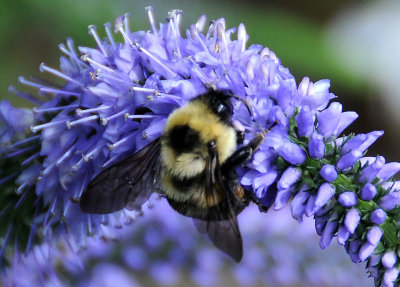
(201, 119)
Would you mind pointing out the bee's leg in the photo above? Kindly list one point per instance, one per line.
(240, 156)
(253, 198)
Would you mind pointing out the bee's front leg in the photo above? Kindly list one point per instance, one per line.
(244, 153)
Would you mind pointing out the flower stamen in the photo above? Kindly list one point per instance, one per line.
(150, 15)
(44, 68)
(92, 31)
(71, 124)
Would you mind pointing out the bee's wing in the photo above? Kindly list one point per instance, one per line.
(224, 233)
(128, 183)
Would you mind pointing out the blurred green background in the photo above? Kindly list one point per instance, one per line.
(299, 32)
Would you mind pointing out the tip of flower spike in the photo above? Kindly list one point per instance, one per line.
(149, 8)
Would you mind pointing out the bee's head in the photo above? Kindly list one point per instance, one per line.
(219, 103)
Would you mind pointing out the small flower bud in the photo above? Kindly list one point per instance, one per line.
(366, 251)
(368, 192)
(292, 153)
(328, 172)
(316, 146)
(389, 259)
(348, 199)
(352, 219)
(374, 235)
(378, 216)
(288, 178)
(305, 122)
(349, 159)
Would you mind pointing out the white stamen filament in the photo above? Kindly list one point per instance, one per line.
(48, 169)
(66, 155)
(143, 50)
(104, 121)
(36, 110)
(150, 15)
(35, 129)
(80, 112)
(86, 58)
(128, 116)
(24, 141)
(19, 152)
(176, 38)
(126, 22)
(12, 89)
(71, 124)
(23, 81)
(120, 142)
(56, 73)
(92, 32)
(30, 159)
(107, 27)
(59, 92)
(92, 154)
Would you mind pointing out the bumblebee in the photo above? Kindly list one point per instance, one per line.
(192, 164)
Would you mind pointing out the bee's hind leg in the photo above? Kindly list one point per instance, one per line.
(253, 198)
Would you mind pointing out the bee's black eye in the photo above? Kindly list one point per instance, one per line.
(224, 111)
(221, 108)
(183, 138)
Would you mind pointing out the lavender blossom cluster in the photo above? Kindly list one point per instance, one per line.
(116, 99)
(163, 249)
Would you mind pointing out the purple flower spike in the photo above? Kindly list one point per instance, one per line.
(115, 99)
(292, 153)
(288, 178)
(378, 216)
(374, 235)
(389, 259)
(316, 146)
(328, 119)
(366, 251)
(352, 219)
(349, 159)
(328, 172)
(305, 122)
(348, 199)
(368, 192)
